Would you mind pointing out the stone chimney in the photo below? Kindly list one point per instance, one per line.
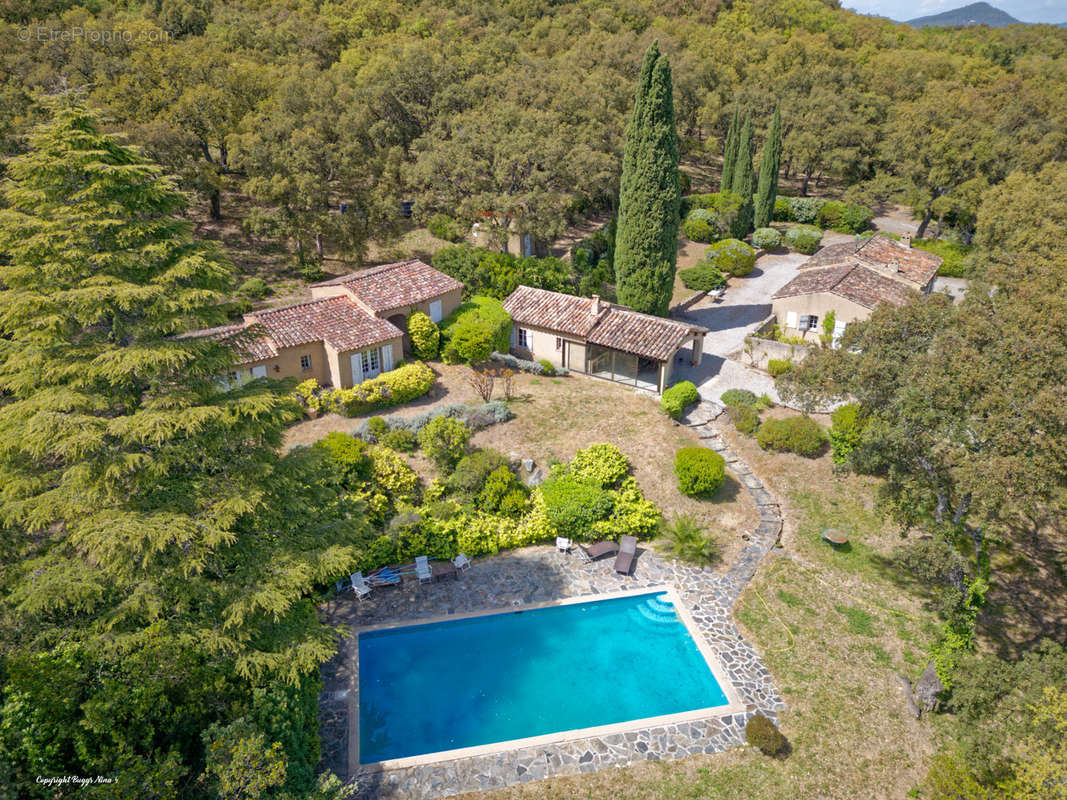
(905, 239)
(595, 310)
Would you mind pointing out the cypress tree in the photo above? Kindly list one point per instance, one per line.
(768, 173)
(729, 153)
(165, 548)
(744, 178)
(646, 240)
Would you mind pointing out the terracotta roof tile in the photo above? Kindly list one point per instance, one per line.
(882, 253)
(335, 320)
(390, 286)
(615, 326)
(854, 282)
(251, 342)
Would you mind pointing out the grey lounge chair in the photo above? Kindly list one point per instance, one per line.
(591, 553)
(422, 569)
(461, 561)
(627, 550)
(359, 586)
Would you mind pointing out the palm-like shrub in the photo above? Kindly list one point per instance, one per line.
(684, 539)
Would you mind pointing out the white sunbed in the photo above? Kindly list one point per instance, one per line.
(359, 585)
(461, 561)
(563, 544)
(422, 569)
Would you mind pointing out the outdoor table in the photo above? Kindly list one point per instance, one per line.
(443, 569)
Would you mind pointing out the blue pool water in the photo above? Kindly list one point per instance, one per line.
(475, 681)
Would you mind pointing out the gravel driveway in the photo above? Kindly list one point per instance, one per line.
(747, 303)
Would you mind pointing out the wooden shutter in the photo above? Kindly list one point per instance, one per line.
(387, 357)
(357, 368)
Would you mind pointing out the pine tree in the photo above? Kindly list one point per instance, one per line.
(167, 549)
(646, 240)
(743, 178)
(729, 153)
(769, 163)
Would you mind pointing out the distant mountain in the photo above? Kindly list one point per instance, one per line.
(974, 14)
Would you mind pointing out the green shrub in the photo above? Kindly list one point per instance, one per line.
(805, 210)
(803, 239)
(391, 473)
(503, 492)
(846, 430)
(744, 418)
(762, 733)
(474, 330)
(783, 212)
(801, 435)
(603, 465)
(767, 238)
(732, 256)
(548, 369)
(401, 385)
(683, 538)
(844, 217)
(254, 288)
(401, 440)
(424, 335)
(444, 227)
(472, 470)
(954, 256)
(445, 441)
(349, 454)
(377, 428)
(705, 214)
(699, 230)
(677, 398)
(573, 506)
(738, 397)
(704, 277)
(779, 367)
(700, 471)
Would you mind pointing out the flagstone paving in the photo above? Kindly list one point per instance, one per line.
(539, 575)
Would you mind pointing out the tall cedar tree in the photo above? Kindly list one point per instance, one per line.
(164, 550)
(743, 177)
(646, 242)
(729, 153)
(769, 163)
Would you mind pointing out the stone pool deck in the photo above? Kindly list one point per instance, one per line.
(542, 575)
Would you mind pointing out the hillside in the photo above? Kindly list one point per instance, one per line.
(973, 14)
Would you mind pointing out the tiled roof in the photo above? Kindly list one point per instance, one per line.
(641, 334)
(390, 286)
(854, 282)
(552, 310)
(882, 253)
(251, 342)
(335, 320)
(614, 326)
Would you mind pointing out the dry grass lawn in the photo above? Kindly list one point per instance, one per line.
(556, 417)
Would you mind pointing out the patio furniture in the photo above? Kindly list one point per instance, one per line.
(461, 561)
(627, 551)
(597, 550)
(385, 576)
(835, 537)
(563, 544)
(444, 569)
(359, 586)
(422, 569)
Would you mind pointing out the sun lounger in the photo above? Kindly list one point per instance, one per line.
(461, 561)
(422, 569)
(592, 552)
(563, 544)
(627, 550)
(359, 586)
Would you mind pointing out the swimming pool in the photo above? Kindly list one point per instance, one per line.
(497, 678)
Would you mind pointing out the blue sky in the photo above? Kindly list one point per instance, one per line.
(1025, 10)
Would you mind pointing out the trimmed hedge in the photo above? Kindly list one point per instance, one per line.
(474, 330)
(732, 256)
(803, 239)
(738, 397)
(704, 277)
(801, 435)
(401, 385)
(779, 367)
(677, 398)
(425, 336)
(700, 471)
(767, 238)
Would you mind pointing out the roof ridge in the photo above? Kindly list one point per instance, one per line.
(313, 301)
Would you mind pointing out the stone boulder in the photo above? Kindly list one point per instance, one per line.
(928, 689)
